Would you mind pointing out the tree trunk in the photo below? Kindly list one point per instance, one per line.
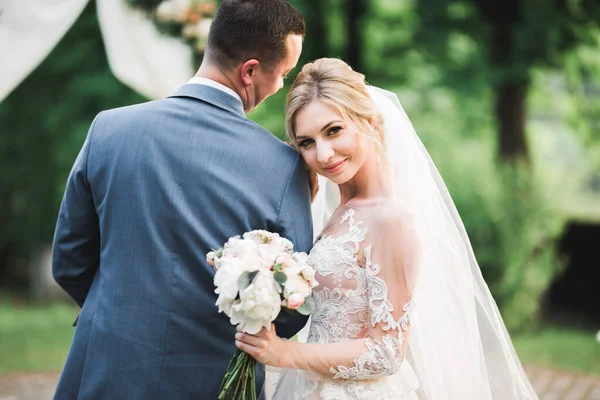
(356, 10)
(511, 117)
(512, 81)
(315, 14)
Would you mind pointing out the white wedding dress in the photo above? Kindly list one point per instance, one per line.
(354, 306)
(402, 309)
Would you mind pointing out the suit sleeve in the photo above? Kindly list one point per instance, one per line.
(76, 245)
(295, 223)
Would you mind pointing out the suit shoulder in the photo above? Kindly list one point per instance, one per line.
(130, 109)
(278, 144)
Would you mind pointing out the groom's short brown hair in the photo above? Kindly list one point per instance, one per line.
(245, 29)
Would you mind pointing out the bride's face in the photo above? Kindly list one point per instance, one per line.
(330, 146)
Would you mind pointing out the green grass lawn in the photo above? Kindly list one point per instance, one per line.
(38, 338)
(560, 347)
(35, 338)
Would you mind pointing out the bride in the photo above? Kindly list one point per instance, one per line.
(402, 311)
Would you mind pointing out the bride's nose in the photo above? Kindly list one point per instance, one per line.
(324, 152)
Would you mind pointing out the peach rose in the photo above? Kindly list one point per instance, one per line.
(210, 258)
(295, 301)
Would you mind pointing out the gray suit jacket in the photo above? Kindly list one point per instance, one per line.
(155, 187)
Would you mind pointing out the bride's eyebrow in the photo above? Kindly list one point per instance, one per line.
(329, 124)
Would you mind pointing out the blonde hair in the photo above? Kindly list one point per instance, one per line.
(334, 82)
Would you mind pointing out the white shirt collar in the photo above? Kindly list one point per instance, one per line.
(209, 82)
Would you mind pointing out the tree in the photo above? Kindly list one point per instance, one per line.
(315, 15)
(343, 20)
(511, 37)
(355, 13)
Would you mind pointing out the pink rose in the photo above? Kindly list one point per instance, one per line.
(294, 301)
(210, 258)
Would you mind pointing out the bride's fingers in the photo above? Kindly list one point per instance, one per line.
(247, 348)
(249, 339)
(244, 347)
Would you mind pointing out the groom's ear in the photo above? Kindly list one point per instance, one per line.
(248, 70)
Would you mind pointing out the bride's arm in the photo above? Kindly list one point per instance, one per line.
(391, 273)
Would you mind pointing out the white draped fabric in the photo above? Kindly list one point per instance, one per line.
(29, 30)
(153, 64)
(149, 62)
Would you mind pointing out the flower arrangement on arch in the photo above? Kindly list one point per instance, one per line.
(188, 19)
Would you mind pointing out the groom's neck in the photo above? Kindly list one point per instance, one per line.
(218, 75)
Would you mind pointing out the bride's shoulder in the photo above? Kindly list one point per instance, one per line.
(385, 212)
(390, 219)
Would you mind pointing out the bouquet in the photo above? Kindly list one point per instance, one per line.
(259, 279)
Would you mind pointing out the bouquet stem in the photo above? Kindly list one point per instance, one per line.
(239, 382)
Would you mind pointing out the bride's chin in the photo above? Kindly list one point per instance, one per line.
(339, 179)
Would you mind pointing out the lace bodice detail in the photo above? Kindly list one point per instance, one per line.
(341, 298)
(352, 303)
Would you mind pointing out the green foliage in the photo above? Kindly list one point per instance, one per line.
(512, 36)
(582, 71)
(146, 5)
(44, 123)
(513, 230)
(512, 227)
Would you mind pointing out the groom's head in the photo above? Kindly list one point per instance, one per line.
(254, 44)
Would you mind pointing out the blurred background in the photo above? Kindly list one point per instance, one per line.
(505, 95)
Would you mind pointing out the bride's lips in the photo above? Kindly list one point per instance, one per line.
(332, 169)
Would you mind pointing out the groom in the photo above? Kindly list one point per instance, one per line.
(158, 185)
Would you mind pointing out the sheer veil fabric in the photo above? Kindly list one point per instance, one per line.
(458, 345)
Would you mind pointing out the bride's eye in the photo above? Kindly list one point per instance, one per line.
(334, 130)
(305, 143)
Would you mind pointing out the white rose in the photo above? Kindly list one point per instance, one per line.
(288, 246)
(300, 258)
(285, 260)
(308, 274)
(260, 236)
(247, 247)
(258, 306)
(227, 276)
(296, 284)
(224, 303)
(268, 253)
(232, 242)
(253, 263)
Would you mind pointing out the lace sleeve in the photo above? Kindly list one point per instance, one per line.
(387, 338)
(390, 268)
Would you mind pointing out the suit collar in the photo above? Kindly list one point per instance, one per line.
(213, 96)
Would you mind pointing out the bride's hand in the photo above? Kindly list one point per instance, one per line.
(265, 346)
